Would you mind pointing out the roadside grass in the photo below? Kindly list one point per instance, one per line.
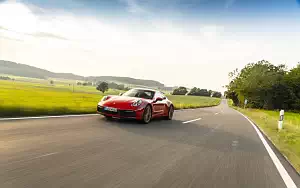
(183, 102)
(33, 99)
(286, 140)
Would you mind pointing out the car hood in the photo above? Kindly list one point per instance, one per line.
(121, 102)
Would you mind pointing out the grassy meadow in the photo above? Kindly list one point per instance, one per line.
(24, 98)
(286, 140)
(183, 102)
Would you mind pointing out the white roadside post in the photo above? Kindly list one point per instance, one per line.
(245, 103)
(281, 117)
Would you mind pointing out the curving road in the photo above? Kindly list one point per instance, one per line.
(209, 147)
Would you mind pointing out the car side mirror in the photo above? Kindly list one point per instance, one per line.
(158, 99)
(120, 94)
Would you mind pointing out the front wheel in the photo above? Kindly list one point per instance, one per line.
(147, 115)
(108, 117)
(170, 113)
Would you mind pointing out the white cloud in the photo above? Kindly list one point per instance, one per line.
(167, 51)
(134, 7)
(17, 17)
(229, 3)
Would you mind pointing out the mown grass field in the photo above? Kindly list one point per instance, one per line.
(32, 99)
(183, 102)
(286, 140)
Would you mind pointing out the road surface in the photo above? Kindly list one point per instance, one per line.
(209, 147)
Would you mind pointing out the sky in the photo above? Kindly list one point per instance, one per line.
(177, 42)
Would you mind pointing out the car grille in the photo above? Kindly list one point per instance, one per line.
(121, 113)
(127, 113)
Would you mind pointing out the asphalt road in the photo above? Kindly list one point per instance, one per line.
(221, 149)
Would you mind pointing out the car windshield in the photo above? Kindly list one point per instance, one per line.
(140, 93)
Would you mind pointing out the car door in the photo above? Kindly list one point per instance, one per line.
(159, 106)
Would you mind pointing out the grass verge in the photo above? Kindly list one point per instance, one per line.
(184, 102)
(286, 140)
(33, 99)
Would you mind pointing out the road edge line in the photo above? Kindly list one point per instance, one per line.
(46, 117)
(282, 171)
(189, 121)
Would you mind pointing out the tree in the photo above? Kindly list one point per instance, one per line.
(193, 91)
(180, 91)
(51, 82)
(217, 94)
(261, 83)
(5, 78)
(204, 92)
(87, 83)
(103, 86)
(292, 81)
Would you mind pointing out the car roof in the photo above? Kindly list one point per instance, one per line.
(146, 89)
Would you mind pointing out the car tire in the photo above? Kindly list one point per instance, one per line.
(108, 117)
(147, 115)
(170, 113)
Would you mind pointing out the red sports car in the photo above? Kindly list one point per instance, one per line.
(139, 104)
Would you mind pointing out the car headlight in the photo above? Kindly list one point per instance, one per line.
(137, 103)
(104, 98)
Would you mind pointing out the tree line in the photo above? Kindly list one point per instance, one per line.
(84, 83)
(196, 92)
(104, 86)
(6, 78)
(265, 86)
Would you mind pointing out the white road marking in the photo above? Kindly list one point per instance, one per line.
(48, 154)
(26, 160)
(46, 117)
(283, 173)
(191, 120)
(216, 113)
(235, 143)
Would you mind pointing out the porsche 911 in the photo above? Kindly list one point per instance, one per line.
(138, 103)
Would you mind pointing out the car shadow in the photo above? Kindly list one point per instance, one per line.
(204, 135)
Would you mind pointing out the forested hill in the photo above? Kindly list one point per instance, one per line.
(17, 69)
(127, 80)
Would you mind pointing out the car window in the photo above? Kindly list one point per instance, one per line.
(139, 93)
(159, 94)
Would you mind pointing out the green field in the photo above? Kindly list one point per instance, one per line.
(182, 101)
(19, 98)
(288, 139)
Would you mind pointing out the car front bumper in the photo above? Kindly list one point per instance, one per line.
(121, 114)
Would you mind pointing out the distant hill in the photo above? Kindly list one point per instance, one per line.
(126, 80)
(17, 69)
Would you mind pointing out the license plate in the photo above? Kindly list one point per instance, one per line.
(110, 109)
